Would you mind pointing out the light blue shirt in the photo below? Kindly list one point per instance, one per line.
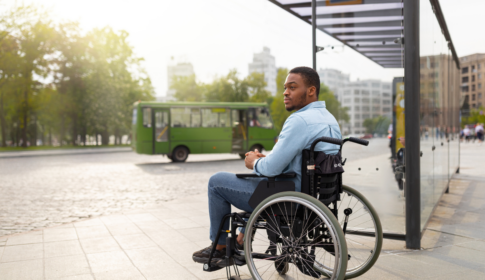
(299, 132)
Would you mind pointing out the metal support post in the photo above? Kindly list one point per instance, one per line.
(314, 34)
(412, 122)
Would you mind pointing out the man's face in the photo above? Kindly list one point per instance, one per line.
(295, 92)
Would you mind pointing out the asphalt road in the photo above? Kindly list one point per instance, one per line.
(37, 192)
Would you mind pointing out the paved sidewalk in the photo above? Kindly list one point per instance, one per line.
(35, 153)
(158, 243)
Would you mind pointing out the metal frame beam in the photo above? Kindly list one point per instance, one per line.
(412, 106)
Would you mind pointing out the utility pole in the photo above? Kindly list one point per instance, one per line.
(314, 34)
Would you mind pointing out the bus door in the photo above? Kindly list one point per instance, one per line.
(161, 131)
(239, 131)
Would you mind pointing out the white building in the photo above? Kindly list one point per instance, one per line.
(264, 62)
(179, 69)
(335, 80)
(365, 99)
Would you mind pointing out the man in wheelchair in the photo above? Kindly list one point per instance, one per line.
(310, 121)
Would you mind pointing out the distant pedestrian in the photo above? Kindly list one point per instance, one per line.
(479, 132)
(466, 132)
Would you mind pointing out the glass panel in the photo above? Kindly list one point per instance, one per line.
(185, 117)
(439, 105)
(260, 117)
(161, 126)
(147, 117)
(215, 117)
(134, 116)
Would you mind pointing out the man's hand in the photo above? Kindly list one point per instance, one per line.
(251, 157)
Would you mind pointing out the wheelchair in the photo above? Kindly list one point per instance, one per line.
(328, 230)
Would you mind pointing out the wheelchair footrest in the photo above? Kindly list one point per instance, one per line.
(210, 268)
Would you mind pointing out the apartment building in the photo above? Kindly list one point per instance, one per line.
(472, 81)
(264, 62)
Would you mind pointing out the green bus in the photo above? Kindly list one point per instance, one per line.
(176, 129)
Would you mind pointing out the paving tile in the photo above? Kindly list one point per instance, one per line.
(89, 223)
(169, 237)
(156, 264)
(142, 217)
(98, 245)
(131, 273)
(109, 261)
(27, 238)
(465, 257)
(66, 266)
(134, 241)
(59, 234)
(153, 226)
(123, 229)
(74, 277)
(195, 234)
(62, 248)
(30, 269)
(92, 232)
(203, 221)
(115, 219)
(180, 223)
(182, 253)
(166, 214)
(23, 252)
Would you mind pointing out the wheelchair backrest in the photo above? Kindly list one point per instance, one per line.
(327, 176)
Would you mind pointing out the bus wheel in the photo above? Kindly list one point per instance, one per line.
(242, 156)
(169, 156)
(180, 154)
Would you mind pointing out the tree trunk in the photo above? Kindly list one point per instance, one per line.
(24, 121)
(74, 129)
(50, 136)
(96, 137)
(61, 132)
(3, 124)
(105, 137)
(33, 138)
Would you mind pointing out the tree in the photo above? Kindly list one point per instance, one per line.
(187, 89)
(277, 107)
(378, 125)
(257, 89)
(332, 104)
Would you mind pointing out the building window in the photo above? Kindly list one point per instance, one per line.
(347, 100)
(386, 102)
(473, 97)
(366, 116)
(365, 93)
(376, 101)
(480, 76)
(356, 117)
(386, 94)
(479, 85)
(347, 92)
(375, 93)
(479, 104)
(464, 70)
(464, 89)
(464, 79)
(376, 85)
(365, 108)
(473, 78)
(365, 100)
(356, 108)
(479, 96)
(473, 68)
(356, 100)
(356, 92)
(473, 87)
(386, 110)
(473, 106)
(479, 66)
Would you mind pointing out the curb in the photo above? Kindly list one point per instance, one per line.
(64, 152)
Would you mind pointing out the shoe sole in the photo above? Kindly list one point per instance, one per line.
(204, 260)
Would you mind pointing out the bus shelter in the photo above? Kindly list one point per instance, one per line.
(410, 38)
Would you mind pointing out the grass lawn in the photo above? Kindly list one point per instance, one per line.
(43, 148)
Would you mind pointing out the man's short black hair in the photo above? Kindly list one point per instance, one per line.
(309, 75)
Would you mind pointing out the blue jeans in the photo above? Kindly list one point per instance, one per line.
(226, 189)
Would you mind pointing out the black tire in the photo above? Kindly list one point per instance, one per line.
(242, 156)
(169, 156)
(180, 154)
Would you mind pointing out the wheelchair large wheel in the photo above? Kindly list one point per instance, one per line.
(296, 236)
(362, 229)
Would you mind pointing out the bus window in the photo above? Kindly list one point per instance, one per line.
(134, 116)
(147, 117)
(185, 117)
(161, 126)
(215, 117)
(260, 117)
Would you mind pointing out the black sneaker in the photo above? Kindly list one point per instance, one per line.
(202, 256)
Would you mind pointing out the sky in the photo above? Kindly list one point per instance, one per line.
(219, 35)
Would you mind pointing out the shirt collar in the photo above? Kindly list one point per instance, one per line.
(315, 104)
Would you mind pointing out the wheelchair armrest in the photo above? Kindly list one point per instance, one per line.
(254, 175)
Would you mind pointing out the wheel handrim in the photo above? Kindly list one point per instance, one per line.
(321, 264)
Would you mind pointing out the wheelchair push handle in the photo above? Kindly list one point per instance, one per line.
(358, 141)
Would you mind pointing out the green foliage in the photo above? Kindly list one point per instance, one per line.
(476, 116)
(58, 83)
(333, 105)
(187, 88)
(278, 111)
(377, 125)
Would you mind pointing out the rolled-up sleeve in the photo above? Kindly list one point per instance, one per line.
(290, 142)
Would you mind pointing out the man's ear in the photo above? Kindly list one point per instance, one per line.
(312, 91)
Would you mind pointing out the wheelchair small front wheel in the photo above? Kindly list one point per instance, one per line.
(296, 236)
